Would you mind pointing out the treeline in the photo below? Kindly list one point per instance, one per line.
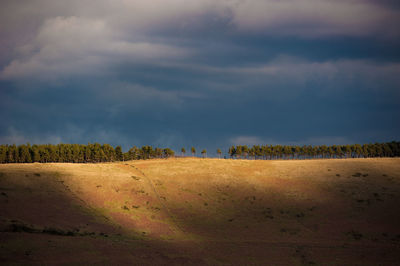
(95, 153)
(77, 153)
(270, 152)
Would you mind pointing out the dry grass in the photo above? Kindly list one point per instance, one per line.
(204, 211)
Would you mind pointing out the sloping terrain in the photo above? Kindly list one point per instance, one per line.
(202, 211)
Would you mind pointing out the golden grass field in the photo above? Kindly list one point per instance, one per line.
(202, 211)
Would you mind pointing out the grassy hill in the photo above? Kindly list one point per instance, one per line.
(202, 211)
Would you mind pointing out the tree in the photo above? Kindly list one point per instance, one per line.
(147, 152)
(133, 153)
(158, 152)
(76, 153)
(395, 148)
(24, 154)
(12, 154)
(365, 151)
(358, 150)
(118, 153)
(45, 154)
(232, 151)
(256, 151)
(168, 152)
(88, 153)
(372, 150)
(378, 150)
(219, 152)
(35, 154)
(110, 153)
(96, 152)
(387, 151)
(193, 151)
(204, 153)
(245, 151)
(68, 153)
(268, 152)
(238, 151)
(347, 151)
(3, 153)
(296, 152)
(287, 151)
(331, 151)
(324, 150)
(338, 151)
(314, 152)
(183, 151)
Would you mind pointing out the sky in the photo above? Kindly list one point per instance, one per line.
(202, 73)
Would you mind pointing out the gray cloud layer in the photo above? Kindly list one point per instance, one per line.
(206, 72)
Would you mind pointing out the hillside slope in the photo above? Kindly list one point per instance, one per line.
(202, 211)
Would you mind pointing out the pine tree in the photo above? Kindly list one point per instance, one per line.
(35, 154)
(219, 152)
(347, 151)
(232, 151)
(339, 152)
(158, 152)
(245, 151)
(24, 154)
(118, 153)
(97, 156)
(168, 152)
(3, 153)
(238, 151)
(12, 156)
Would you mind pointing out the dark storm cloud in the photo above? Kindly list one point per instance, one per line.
(206, 73)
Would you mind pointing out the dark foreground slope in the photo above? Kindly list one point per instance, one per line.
(202, 211)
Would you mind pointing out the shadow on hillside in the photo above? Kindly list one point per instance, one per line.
(40, 202)
(43, 222)
(325, 213)
(231, 224)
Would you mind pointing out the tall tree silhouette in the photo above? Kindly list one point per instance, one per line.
(118, 153)
(219, 152)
